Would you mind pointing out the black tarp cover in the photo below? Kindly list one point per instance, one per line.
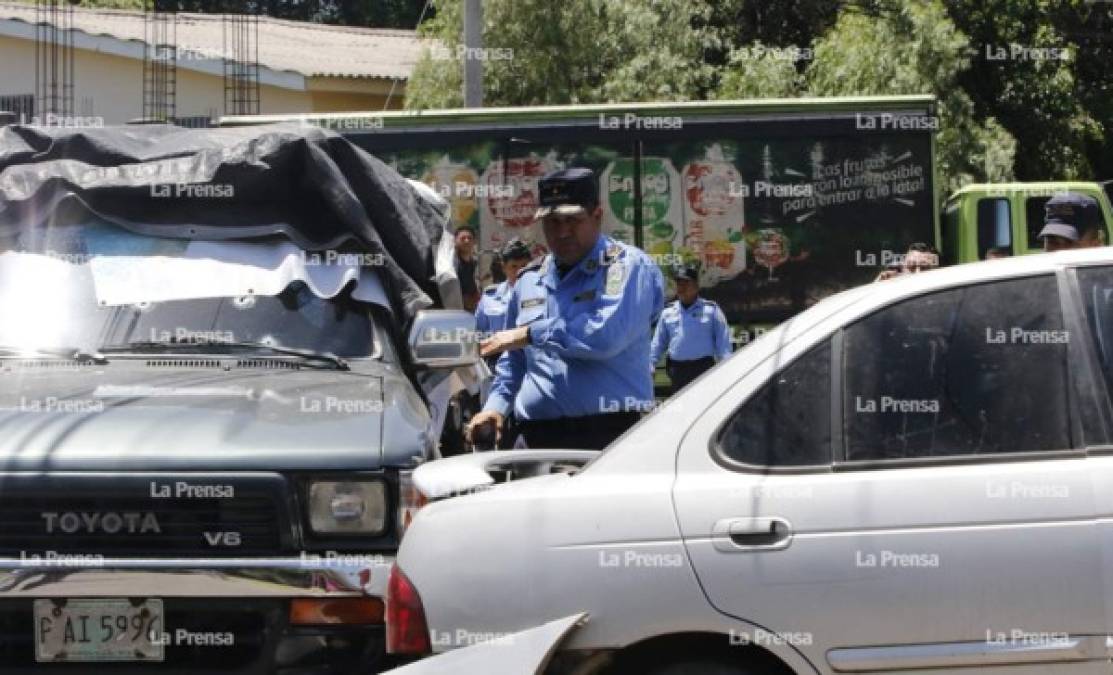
(308, 184)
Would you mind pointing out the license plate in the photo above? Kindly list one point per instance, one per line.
(98, 630)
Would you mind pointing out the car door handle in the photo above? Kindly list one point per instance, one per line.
(733, 535)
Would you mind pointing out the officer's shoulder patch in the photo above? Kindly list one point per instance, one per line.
(614, 252)
(616, 274)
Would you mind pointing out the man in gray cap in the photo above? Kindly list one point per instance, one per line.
(1071, 220)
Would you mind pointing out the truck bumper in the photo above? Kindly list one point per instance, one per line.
(247, 597)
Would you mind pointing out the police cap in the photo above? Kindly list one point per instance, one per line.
(1069, 215)
(567, 192)
(515, 249)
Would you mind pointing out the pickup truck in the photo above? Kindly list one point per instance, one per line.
(206, 438)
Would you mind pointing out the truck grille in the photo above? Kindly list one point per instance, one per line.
(118, 517)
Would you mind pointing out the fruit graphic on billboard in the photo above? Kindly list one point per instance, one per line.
(771, 249)
(510, 200)
(714, 216)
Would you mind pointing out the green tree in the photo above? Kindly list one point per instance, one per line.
(1042, 68)
(576, 51)
(893, 47)
(758, 71)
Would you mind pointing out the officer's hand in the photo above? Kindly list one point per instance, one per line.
(888, 274)
(487, 417)
(504, 341)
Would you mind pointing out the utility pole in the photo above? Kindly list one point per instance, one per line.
(473, 64)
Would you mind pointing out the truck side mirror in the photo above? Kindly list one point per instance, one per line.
(443, 338)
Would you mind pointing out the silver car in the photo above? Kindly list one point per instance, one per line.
(913, 476)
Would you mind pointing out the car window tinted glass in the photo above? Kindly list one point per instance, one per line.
(1034, 214)
(975, 370)
(1096, 287)
(788, 421)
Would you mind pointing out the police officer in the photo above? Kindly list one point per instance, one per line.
(573, 359)
(490, 314)
(692, 332)
(1071, 220)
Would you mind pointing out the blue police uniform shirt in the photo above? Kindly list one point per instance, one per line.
(589, 334)
(690, 333)
(490, 313)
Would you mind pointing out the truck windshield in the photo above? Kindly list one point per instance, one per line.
(57, 294)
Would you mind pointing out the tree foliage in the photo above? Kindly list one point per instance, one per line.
(575, 51)
(914, 48)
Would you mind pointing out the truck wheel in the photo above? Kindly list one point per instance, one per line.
(460, 411)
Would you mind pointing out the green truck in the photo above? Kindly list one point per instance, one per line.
(781, 201)
(1006, 216)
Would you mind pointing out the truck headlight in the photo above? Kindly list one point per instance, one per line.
(347, 507)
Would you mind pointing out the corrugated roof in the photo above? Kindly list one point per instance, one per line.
(309, 49)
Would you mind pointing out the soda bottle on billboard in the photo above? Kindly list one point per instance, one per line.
(661, 214)
(714, 215)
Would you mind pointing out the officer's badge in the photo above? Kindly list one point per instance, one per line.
(532, 302)
(616, 274)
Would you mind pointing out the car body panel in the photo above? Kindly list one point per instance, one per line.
(526, 652)
(658, 489)
(156, 414)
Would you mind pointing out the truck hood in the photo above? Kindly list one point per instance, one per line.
(208, 413)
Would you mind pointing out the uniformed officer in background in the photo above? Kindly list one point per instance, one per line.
(573, 367)
(1071, 220)
(692, 333)
(490, 314)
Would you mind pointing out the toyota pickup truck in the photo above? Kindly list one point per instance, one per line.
(208, 426)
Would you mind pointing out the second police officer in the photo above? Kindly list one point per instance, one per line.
(573, 365)
(490, 314)
(692, 333)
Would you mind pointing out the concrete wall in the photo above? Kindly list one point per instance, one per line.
(111, 87)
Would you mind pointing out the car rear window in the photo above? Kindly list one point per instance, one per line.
(974, 370)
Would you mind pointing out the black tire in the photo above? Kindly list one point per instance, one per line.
(703, 667)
